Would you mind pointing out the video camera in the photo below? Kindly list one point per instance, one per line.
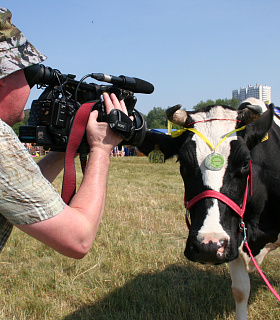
(52, 115)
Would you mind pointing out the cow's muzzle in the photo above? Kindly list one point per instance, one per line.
(212, 252)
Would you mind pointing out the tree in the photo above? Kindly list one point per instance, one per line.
(234, 103)
(156, 118)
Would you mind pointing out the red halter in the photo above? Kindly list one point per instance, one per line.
(217, 195)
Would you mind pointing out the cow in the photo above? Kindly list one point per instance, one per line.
(219, 150)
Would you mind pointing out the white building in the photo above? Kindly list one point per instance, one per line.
(258, 91)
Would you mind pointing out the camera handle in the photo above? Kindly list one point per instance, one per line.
(120, 123)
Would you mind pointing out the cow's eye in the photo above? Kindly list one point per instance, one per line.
(245, 166)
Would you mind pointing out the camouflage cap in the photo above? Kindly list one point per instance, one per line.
(16, 52)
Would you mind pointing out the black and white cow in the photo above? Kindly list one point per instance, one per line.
(214, 235)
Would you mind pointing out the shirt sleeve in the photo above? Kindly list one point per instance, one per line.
(25, 195)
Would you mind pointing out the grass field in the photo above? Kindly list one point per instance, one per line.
(136, 268)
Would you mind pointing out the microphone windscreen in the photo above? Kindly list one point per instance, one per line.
(142, 86)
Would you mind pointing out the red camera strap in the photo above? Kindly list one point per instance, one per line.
(75, 138)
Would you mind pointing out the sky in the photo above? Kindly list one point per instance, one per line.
(190, 50)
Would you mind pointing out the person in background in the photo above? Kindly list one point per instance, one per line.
(27, 198)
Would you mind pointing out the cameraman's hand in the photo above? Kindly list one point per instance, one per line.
(99, 135)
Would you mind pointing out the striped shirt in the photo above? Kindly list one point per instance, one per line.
(25, 195)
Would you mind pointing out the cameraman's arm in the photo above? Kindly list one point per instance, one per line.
(52, 164)
(72, 231)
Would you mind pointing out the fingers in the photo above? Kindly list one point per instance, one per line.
(123, 106)
(111, 102)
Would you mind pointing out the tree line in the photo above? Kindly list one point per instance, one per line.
(156, 117)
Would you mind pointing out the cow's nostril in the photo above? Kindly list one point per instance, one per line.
(222, 245)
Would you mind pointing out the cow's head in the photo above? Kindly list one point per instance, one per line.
(213, 235)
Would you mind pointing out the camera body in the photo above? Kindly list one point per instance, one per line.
(52, 114)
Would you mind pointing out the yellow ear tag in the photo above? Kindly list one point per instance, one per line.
(265, 137)
(156, 156)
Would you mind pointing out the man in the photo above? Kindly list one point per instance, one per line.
(27, 198)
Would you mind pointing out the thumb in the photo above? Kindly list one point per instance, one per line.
(94, 115)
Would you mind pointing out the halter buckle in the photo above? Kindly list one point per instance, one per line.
(243, 229)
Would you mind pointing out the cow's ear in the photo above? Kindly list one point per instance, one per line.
(169, 146)
(257, 130)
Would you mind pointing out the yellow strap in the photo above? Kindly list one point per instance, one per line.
(169, 126)
(229, 134)
(202, 137)
(180, 131)
(177, 133)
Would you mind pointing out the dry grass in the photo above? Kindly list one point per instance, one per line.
(136, 268)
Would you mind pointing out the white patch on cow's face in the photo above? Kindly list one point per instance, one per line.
(214, 131)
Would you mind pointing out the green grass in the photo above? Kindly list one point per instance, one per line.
(136, 268)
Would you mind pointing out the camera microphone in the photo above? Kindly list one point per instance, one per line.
(39, 74)
(134, 84)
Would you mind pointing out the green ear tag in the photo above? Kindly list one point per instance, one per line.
(214, 161)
